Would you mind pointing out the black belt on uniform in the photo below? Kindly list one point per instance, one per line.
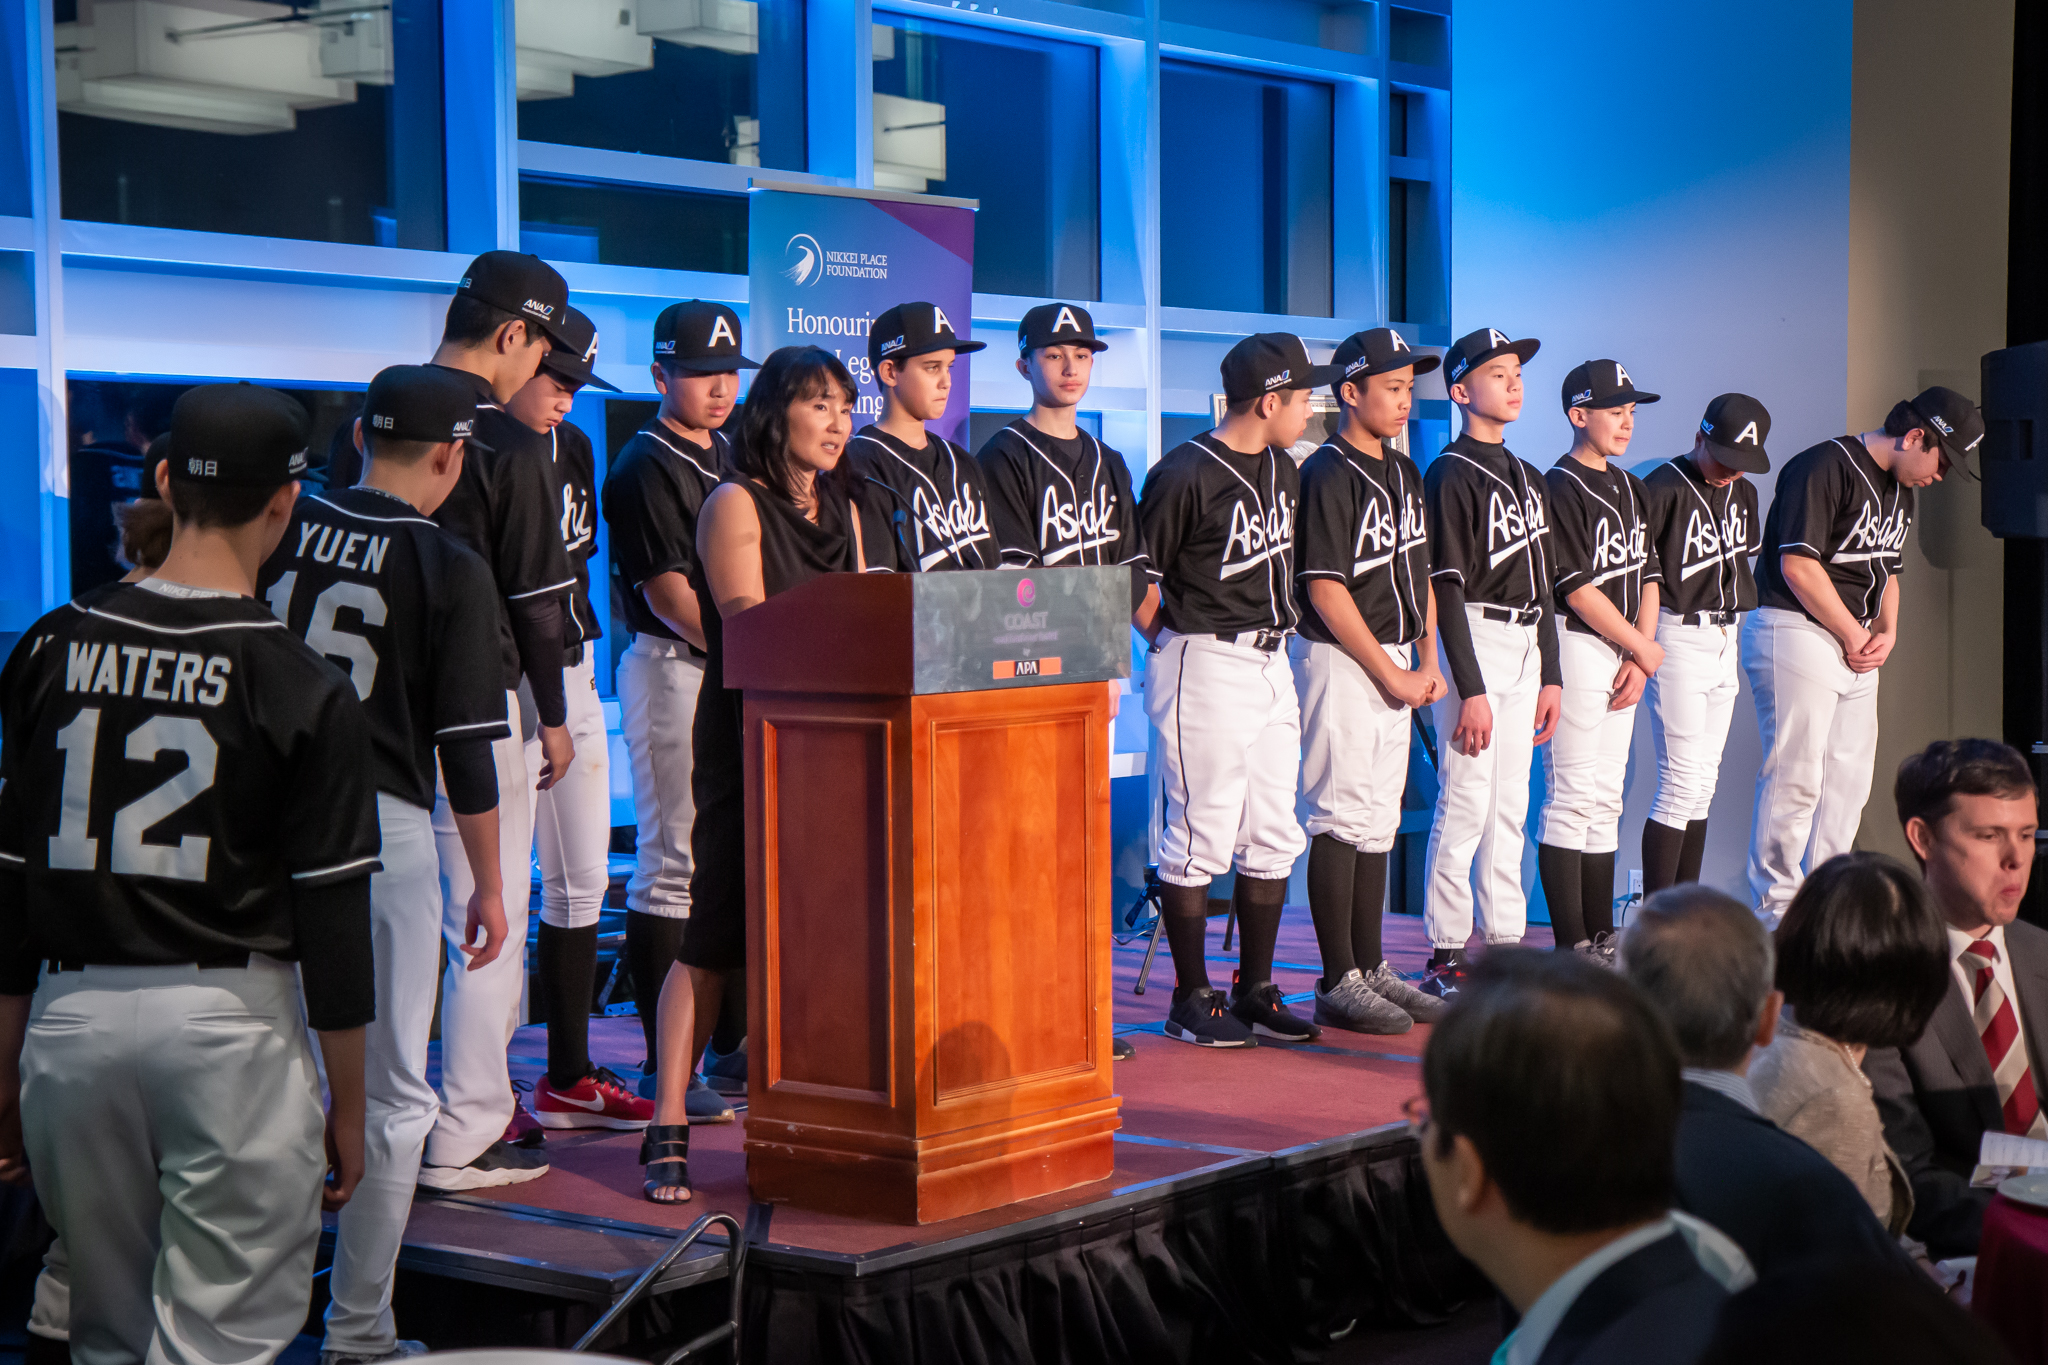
(1266, 640)
(1710, 618)
(72, 964)
(1514, 616)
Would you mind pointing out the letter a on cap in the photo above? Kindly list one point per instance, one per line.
(1400, 342)
(939, 319)
(1065, 321)
(719, 328)
(1494, 340)
(1621, 376)
(1748, 434)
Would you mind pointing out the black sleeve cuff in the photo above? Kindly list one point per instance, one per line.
(469, 775)
(1455, 629)
(1546, 646)
(537, 629)
(332, 925)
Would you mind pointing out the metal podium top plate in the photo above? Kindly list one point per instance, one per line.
(976, 631)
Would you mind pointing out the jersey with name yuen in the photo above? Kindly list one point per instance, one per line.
(1362, 524)
(1704, 538)
(576, 469)
(1062, 502)
(177, 765)
(1600, 536)
(653, 494)
(1489, 524)
(1220, 524)
(1835, 504)
(407, 612)
(938, 490)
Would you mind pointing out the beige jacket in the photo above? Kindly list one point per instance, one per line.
(1810, 1086)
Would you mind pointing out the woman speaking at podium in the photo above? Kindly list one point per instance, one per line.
(788, 512)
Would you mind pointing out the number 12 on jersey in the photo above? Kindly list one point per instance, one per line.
(73, 849)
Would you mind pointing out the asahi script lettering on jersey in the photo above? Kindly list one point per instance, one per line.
(1256, 535)
(1075, 526)
(1707, 544)
(1380, 537)
(1511, 524)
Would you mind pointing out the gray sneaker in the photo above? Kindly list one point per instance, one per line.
(404, 1350)
(1420, 1006)
(1352, 1005)
(1601, 950)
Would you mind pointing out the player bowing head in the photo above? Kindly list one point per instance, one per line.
(506, 314)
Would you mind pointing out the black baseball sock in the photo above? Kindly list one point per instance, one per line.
(1695, 851)
(1332, 870)
(731, 1029)
(1186, 911)
(1563, 892)
(1258, 902)
(568, 973)
(651, 945)
(1368, 903)
(1596, 892)
(1663, 854)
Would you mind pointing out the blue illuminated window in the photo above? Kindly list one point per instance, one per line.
(629, 225)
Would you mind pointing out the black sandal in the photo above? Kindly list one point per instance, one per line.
(665, 1152)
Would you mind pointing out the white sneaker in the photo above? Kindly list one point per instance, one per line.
(404, 1350)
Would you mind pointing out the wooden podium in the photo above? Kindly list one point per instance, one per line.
(928, 877)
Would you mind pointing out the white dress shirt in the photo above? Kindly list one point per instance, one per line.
(1732, 1084)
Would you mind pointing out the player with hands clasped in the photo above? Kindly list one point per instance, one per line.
(1218, 513)
(188, 831)
(1605, 575)
(1826, 620)
(931, 487)
(1365, 657)
(1490, 562)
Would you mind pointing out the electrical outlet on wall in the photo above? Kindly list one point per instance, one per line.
(1635, 883)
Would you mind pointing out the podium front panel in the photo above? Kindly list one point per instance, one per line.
(996, 629)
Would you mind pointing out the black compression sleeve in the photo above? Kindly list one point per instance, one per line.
(470, 775)
(19, 964)
(537, 629)
(331, 926)
(1546, 645)
(1456, 632)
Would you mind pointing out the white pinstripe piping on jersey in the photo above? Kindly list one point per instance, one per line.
(479, 725)
(365, 516)
(1641, 516)
(1399, 549)
(185, 630)
(682, 454)
(552, 587)
(6, 857)
(1869, 613)
(1264, 556)
(953, 548)
(1084, 544)
(1720, 533)
(1535, 592)
(330, 871)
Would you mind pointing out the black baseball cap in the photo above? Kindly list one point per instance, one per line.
(700, 337)
(1736, 427)
(1271, 362)
(1601, 384)
(575, 360)
(1955, 417)
(421, 403)
(1476, 348)
(520, 284)
(1377, 350)
(238, 435)
(1058, 324)
(911, 329)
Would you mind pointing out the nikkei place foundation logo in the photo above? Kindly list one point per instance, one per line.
(806, 259)
(1027, 593)
(809, 262)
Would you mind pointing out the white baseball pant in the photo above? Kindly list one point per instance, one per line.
(1354, 745)
(1587, 773)
(172, 1120)
(572, 824)
(1230, 744)
(1691, 701)
(480, 1009)
(658, 685)
(405, 924)
(1483, 800)
(1819, 727)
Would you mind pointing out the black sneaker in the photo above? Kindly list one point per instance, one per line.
(1121, 1049)
(500, 1164)
(1263, 1010)
(1443, 980)
(1205, 1020)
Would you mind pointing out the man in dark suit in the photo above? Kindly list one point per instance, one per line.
(1969, 811)
(1704, 961)
(1551, 1105)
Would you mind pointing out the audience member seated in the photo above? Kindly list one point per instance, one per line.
(1704, 960)
(1968, 807)
(1828, 1311)
(1551, 1105)
(1862, 962)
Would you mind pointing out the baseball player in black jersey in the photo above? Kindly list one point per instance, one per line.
(1826, 620)
(1704, 528)
(1490, 562)
(932, 486)
(1218, 513)
(1364, 658)
(652, 494)
(409, 614)
(1604, 575)
(505, 316)
(185, 815)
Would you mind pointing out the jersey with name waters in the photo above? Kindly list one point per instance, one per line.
(576, 469)
(1835, 504)
(1489, 524)
(1062, 501)
(405, 610)
(183, 782)
(938, 489)
(1600, 537)
(653, 494)
(1220, 524)
(1704, 537)
(1362, 524)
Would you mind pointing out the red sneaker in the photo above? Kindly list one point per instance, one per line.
(599, 1100)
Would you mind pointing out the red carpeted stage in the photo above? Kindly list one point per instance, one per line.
(1262, 1200)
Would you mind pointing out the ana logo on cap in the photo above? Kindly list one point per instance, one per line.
(1581, 396)
(896, 345)
(1946, 429)
(463, 428)
(539, 309)
(1275, 381)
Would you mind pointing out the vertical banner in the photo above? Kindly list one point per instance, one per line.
(822, 266)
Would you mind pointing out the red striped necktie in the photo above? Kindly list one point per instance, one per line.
(1998, 1025)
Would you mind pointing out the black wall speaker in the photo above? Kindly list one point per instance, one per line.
(2015, 449)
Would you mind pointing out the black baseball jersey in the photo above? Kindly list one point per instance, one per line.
(652, 495)
(1221, 527)
(576, 469)
(1362, 524)
(1489, 524)
(1835, 504)
(179, 774)
(1704, 537)
(939, 491)
(407, 612)
(504, 507)
(1058, 502)
(1600, 537)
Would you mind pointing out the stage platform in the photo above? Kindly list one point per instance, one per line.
(1262, 1200)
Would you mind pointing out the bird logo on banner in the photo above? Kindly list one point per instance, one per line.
(810, 257)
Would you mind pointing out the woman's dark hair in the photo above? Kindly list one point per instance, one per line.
(1862, 952)
(144, 528)
(793, 374)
